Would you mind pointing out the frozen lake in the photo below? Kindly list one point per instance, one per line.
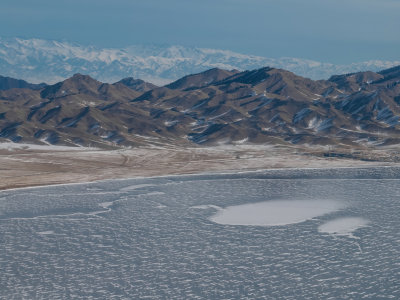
(283, 234)
(275, 212)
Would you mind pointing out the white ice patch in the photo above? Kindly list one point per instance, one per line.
(275, 213)
(106, 205)
(343, 226)
(153, 194)
(46, 232)
(207, 207)
(134, 187)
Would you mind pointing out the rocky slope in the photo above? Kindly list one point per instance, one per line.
(263, 106)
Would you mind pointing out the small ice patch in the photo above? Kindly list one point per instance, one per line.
(207, 207)
(106, 205)
(275, 213)
(152, 194)
(98, 236)
(343, 226)
(46, 232)
(134, 187)
(94, 189)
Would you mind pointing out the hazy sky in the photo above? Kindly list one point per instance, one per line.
(337, 31)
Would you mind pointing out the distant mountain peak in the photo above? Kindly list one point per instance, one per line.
(395, 69)
(81, 77)
(251, 77)
(201, 79)
(136, 84)
(7, 83)
(76, 84)
(37, 60)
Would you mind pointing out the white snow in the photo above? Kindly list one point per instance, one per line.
(170, 123)
(26, 59)
(242, 141)
(343, 226)
(106, 205)
(317, 124)
(276, 212)
(15, 146)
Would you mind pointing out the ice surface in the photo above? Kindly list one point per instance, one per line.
(343, 226)
(134, 187)
(106, 205)
(206, 207)
(46, 232)
(275, 213)
(157, 242)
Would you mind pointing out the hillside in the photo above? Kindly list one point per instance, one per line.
(262, 106)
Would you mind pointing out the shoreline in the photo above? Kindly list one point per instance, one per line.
(226, 172)
(27, 168)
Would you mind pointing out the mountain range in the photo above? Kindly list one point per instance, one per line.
(261, 106)
(37, 60)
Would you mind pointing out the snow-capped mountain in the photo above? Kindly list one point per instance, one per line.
(38, 60)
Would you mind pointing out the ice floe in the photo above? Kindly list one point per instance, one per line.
(276, 212)
(343, 226)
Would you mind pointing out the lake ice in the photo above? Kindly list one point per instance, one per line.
(330, 234)
(343, 226)
(274, 213)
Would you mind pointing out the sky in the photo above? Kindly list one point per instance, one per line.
(336, 31)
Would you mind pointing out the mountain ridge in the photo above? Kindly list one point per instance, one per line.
(7, 83)
(262, 106)
(38, 60)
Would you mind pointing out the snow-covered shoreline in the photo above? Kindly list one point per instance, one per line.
(42, 166)
(202, 173)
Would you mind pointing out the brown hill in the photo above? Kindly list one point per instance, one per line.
(136, 84)
(260, 106)
(201, 79)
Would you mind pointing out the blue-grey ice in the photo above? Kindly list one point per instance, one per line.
(183, 237)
